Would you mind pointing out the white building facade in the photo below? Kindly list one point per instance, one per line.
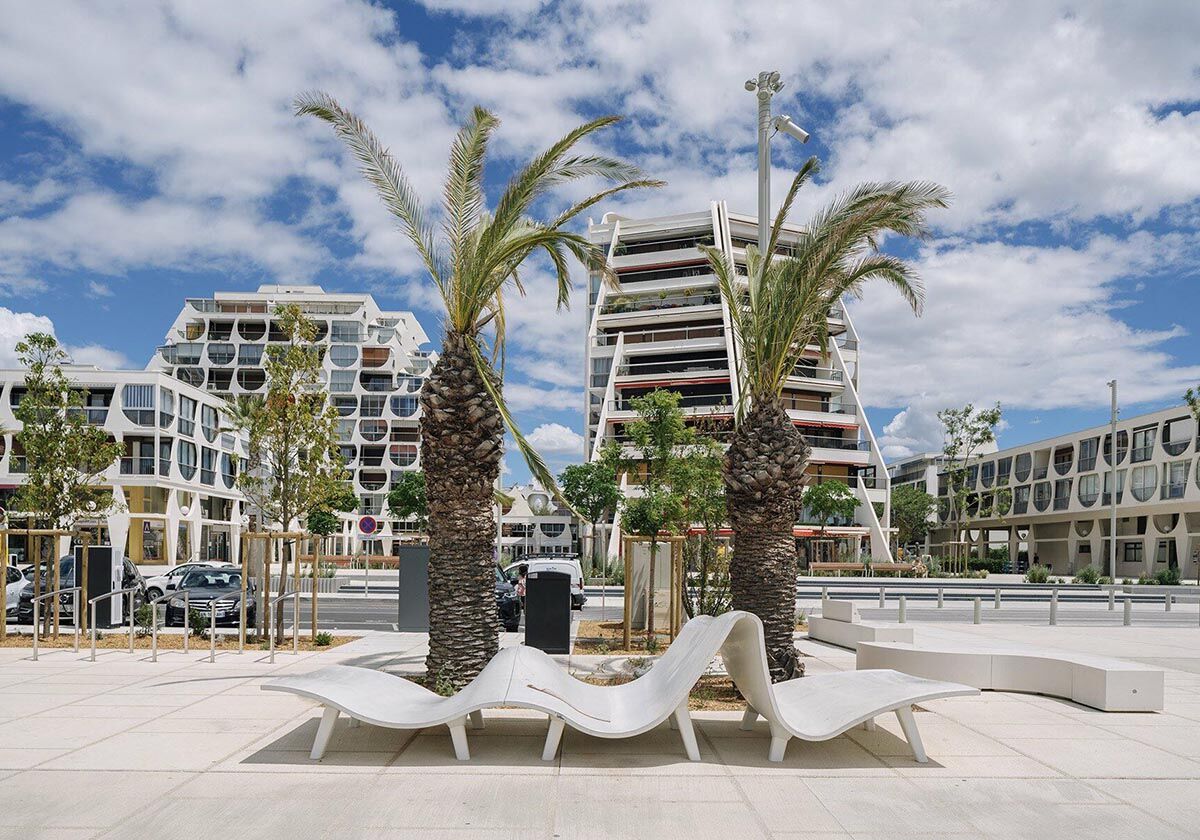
(536, 524)
(175, 486)
(372, 363)
(667, 327)
(1058, 493)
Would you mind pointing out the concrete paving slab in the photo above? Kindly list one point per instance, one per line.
(94, 800)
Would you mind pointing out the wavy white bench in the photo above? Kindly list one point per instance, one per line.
(821, 707)
(1111, 685)
(811, 708)
(839, 625)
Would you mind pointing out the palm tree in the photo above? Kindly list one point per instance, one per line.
(778, 308)
(473, 264)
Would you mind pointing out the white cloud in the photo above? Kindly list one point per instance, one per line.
(522, 397)
(556, 438)
(101, 357)
(98, 289)
(14, 326)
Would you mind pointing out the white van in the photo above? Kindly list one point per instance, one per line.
(565, 563)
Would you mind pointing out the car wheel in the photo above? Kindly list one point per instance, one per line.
(154, 592)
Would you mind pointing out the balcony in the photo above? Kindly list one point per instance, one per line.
(181, 354)
(697, 404)
(143, 465)
(640, 304)
(819, 374)
(655, 246)
(674, 369)
(665, 335)
(97, 416)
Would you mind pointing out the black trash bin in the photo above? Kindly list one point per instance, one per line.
(548, 611)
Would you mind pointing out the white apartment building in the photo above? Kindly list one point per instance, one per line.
(1060, 491)
(373, 364)
(666, 326)
(921, 472)
(536, 524)
(174, 487)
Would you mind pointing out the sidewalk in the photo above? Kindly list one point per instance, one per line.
(126, 748)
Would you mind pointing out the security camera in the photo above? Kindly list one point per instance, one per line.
(784, 123)
(751, 85)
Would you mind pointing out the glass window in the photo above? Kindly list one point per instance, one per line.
(1143, 445)
(1003, 471)
(166, 408)
(208, 422)
(1021, 499)
(987, 474)
(1133, 552)
(187, 459)
(208, 466)
(1143, 482)
(346, 406)
(1089, 489)
(1064, 456)
(404, 406)
(138, 404)
(1177, 435)
(1174, 479)
(1062, 493)
(349, 331)
(1041, 495)
(1108, 487)
(341, 381)
(372, 405)
(221, 354)
(1024, 465)
(164, 456)
(1087, 454)
(343, 355)
(187, 416)
(228, 469)
(1122, 447)
(250, 354)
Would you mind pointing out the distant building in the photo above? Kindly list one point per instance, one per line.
(535, 524)
(921, 472)
(373, 364)
(176, 482)
(1061, 491)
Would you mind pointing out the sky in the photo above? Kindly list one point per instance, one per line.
(148, 153)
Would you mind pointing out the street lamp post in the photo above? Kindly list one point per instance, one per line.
(1112, 462)
(767, 85)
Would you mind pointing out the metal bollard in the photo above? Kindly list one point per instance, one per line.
(1053, 607)
(882, 601)
(978, 611)
(824, 593)
(212, 631)
(903, 610)
(1128, 617)
(1167, 601)
(941, 597)
(1112, 599)
(996, 605)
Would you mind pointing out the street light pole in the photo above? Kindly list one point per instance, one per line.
(1112, 461)
(767, 85)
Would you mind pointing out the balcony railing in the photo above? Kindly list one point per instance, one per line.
(143, 465)
(1039, 473)
(625, 249)
(622, 304)
(652, 336)
(819, 373)
(673, 367)
(698, 401)
(817, 405)
(838, 443)
(96, 416)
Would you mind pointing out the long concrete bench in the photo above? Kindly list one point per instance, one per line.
(1111, 685)
(839, 624)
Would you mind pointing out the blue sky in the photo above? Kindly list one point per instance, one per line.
(147, 153)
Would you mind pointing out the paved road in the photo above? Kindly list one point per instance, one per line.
(375, 613)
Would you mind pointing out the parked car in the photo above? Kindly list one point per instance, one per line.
(131, 578)
(13, 584)
(160, 585)
(508, 605)
(565, 563)
(204, 585)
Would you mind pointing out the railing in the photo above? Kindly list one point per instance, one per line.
(187, 611)
(626, 249)
(824, 374)
(697, 366)
(74, 590)
(137, 466)
(95, 415)
(621, 305)
(817, 405)
(656, 274)
(838, 443)
(701, 401)
(652, 336)
(271, 626)
(1040, 473)
(92, 605)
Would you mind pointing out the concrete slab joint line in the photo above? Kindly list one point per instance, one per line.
(814, 708)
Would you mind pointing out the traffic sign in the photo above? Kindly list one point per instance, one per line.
(367, 525)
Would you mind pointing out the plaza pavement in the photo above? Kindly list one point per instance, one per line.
(183, 749)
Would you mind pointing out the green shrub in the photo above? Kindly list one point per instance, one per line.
(324, 639)
(992, 565)
(617, 576)
(197, 621)
(1037, 574)
(1167, 577)
(144, 619)
(1088, 574)
(1104, 580)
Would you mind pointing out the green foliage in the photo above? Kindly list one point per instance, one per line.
(696, 475)
(408, 498)
(991, 565)
(293, 432)
(324, 639)
(911, 509)
(65, 456)
(1037, 574)
(1167, 577)
(968, 430)
(1088, 574)
(593, 491)
(785, 304)
(197, 622)
(475, 261)
(657, 510)
(143, 617)
(830, 500)
(323, 519)
(1192, 398)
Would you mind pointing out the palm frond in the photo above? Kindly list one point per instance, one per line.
(463, 194)
(810, 168)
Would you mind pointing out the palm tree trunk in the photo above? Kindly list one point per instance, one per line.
(764, 480)
(461, 439)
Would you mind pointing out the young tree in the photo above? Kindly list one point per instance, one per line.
(780, 308)
(593, 491)
(658, 434)
(828, 501)
(968, 431)
(408, 498)
(696, 475)
(1192, 398)
(65, 455)
(323, 519)
(911, 508)
(474, 267)
(295, 465)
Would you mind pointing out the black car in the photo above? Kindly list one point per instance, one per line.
(131, 578)
(204, 586)
(508, 605)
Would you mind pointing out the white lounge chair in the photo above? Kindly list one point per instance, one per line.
(383, 699)
(818, 708)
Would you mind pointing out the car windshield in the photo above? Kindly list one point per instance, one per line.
(211, 579)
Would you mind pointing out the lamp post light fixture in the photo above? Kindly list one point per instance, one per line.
(767, 85)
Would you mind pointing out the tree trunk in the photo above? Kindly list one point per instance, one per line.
(764, 480)
(461, 448)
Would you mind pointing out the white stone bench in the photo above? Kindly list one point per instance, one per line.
(839, 625)
(1111, 685)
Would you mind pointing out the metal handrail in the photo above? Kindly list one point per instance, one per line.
(92, 604)
(76, 590)
(154, 621)
(295, 595)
